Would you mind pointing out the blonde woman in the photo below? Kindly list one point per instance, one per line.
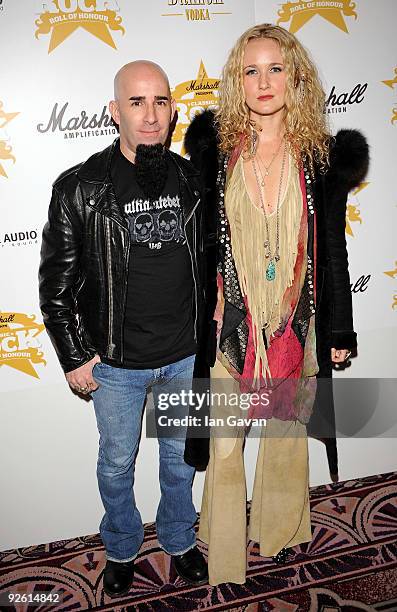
(283, 307)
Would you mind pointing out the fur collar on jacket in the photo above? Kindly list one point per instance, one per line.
(348, 156)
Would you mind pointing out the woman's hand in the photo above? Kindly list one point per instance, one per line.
(340, 355)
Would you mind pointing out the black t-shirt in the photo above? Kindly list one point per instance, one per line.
(158, 326)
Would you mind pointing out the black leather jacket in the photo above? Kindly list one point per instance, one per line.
(84, 259)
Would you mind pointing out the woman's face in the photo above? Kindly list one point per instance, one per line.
(264, 77)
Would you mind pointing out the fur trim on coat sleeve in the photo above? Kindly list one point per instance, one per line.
(349, 159)
(201, 135)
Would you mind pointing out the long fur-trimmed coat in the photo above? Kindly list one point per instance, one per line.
(334, 320)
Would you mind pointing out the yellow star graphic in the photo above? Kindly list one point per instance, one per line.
(5, 117)
(352, 211)
(5, 153)
(300, 14)
(353, 214)
(392, 273)
(334, 16)
(202, 73)
(18, 347)
(5, 149)
(62, 31)
(192, 97)
(360, 187)
(391, 82)
(62, 25)
(22, 365)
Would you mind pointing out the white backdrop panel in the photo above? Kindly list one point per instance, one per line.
(49, 84)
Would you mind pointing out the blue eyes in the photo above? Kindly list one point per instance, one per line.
(274, 69)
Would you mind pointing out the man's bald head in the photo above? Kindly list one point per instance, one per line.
(140, 69)
(142, 105)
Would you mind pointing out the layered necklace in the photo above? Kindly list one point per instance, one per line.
(272, 256)
(267, 168)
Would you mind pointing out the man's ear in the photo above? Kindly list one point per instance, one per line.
(114, 111)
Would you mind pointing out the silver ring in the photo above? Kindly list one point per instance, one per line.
(83, 389)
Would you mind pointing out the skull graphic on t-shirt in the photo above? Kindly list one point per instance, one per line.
(143, 227)
(167, 224)
(157, 222)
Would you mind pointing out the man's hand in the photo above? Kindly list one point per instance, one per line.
(340, 355)
(81, 379)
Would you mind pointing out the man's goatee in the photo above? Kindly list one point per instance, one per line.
(151, 169)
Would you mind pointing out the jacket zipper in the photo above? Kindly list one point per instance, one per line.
(195, 248)
(193, 274)
(110, 290)
(110, 346)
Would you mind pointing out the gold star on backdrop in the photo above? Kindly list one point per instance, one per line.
(5, 117)
(19, 348)
(62, 31)
(392, 273)
(5, 149)
(391, 82)
(62, 25)
(333, 16)
(300, 14)
(352, 211)
(193, 96)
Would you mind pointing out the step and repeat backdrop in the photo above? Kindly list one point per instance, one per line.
(59, 58)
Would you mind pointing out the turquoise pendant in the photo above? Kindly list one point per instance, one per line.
(271, 271)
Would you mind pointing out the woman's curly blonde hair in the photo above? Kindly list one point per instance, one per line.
(305, 122)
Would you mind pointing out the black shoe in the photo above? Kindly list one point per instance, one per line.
(191, 566)
(118, 577)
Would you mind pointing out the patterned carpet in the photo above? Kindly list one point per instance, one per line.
(350, 565)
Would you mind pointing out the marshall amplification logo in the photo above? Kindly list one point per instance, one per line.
(393, 275)
(353, 213)
(361, 284)
(5, 148)
(196, 10)
(62, 17)
(193, 97)
(78, 126)
(391, 83)
(301, 11)
(19, 346)
(340, 102)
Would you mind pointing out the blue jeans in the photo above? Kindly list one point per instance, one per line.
(119, 402)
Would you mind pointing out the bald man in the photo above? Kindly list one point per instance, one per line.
(122, 300)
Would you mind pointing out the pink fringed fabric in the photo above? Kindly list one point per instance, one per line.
(291, 388)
